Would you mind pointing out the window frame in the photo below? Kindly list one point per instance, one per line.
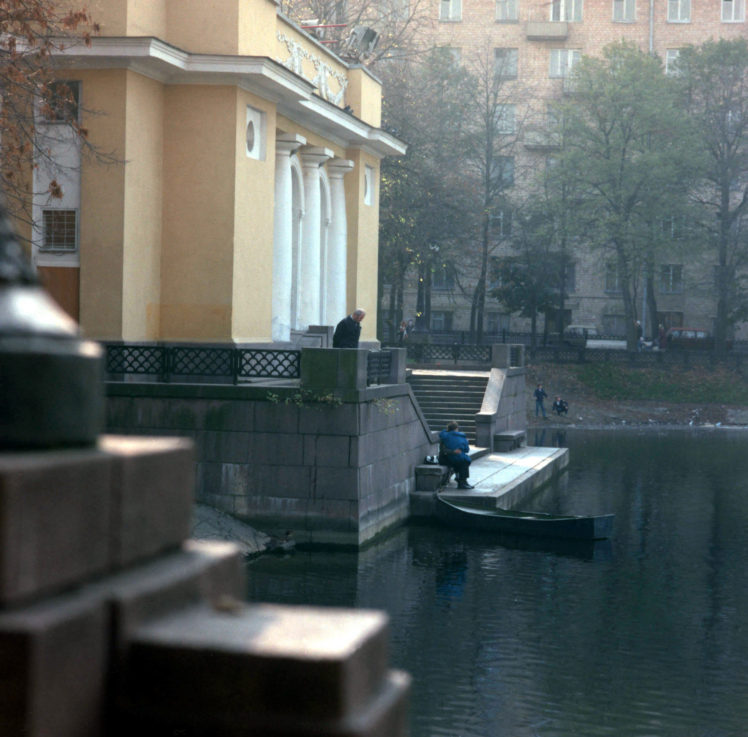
(506, 52)
(506, 119)
(67, 112)
(670, 279)
(736, 4)
(445, 316)
(566, 11)
(58, 247)
(571, 58)
(511, 12)
(683, 14)
(454, 12)
(628, 13)
(612, 278)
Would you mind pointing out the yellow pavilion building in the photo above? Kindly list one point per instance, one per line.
(243, 202)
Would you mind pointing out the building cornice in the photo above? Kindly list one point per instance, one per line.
(294, 96)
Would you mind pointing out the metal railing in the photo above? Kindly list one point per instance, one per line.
(219, 364)
(228, 364)
(433, 352)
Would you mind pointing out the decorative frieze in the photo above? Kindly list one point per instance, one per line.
(330, 84)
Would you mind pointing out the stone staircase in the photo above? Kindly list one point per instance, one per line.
(449, 396)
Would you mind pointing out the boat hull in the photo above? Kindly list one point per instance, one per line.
(536, 524)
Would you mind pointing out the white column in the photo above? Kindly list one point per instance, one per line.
(285, 145)
(337, 249)
(309, 299)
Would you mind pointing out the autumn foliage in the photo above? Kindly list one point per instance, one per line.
(31, 33)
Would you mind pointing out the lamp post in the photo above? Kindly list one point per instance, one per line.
(51, 389)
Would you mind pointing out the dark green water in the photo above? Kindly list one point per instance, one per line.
(644, 636)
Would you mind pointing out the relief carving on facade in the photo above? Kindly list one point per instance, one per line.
(323, 73)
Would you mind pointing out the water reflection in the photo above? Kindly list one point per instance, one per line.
(509, 640)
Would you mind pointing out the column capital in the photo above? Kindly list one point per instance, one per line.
(339, 167)
(287, 143)
(315, 156)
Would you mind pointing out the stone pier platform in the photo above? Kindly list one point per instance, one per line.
(500, 479)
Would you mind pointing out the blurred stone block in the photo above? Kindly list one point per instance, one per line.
(430, 477)
(53, 668)
(264, 669)
(152, 494)
(55, 515)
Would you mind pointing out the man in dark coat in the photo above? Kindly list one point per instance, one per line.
(348, 330)
(454, 452)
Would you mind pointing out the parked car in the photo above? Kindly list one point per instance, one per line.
(683, 337)
(578, 335)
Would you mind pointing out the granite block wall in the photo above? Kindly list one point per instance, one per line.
(332, 472)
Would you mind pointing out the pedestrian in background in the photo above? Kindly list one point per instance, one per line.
(540, 395)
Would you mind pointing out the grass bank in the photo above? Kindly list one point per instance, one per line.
(694, 385)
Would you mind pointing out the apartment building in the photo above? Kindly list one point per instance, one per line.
(537, 44)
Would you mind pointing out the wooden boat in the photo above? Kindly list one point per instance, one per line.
(514, 522)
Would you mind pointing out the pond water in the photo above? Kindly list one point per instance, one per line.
(642, 636)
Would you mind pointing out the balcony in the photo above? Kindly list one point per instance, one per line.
(546, 30)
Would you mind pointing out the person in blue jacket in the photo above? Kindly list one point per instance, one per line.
(454, 451)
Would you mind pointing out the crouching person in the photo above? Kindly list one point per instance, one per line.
(454, 451)
(560, 406)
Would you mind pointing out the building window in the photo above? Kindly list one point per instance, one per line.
(455, 55)
(612, 281)
(501, 223)
(733, 11)
(570, 278)
(505, 63)
(368, 185)
(59, 230)
(624, 11)
(442, 278)
(671, 279)
(496, 322)
(450, 10)
(679, 11)
(563, 61)
(255, 134)
(566, 10)
(506, 119)
(506, 10)
(62, 102)
(671, 61)
(502, 172)
(614, 325)
(673, 227)
(441, 321)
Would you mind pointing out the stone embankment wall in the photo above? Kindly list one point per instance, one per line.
(333, 467)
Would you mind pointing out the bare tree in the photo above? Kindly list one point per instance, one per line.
(366, 31)
(496, 122)
(715, 84)
(31, 32)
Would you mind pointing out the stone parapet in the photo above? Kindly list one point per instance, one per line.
(263, 669)
(90, 510)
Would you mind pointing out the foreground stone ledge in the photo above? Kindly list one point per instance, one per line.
(53, 665)
(55, 518)
(67, 516)
(152, 494)
(259, 663)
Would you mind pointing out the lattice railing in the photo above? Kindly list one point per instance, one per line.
(164, 363)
